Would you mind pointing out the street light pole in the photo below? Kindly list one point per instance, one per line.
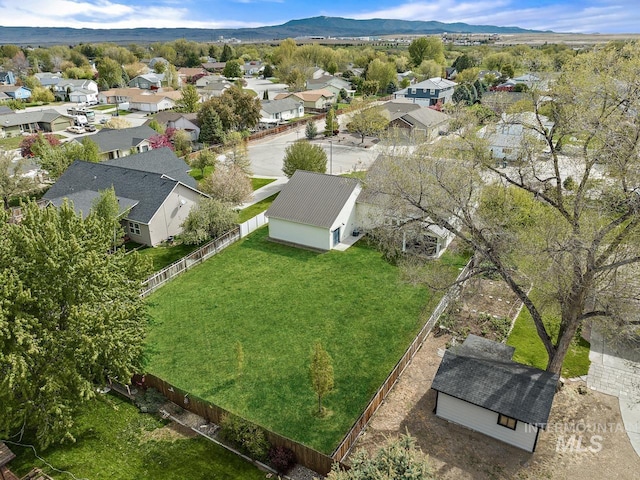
(330, 157)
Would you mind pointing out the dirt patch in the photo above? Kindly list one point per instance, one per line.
(456, 452)
(169, 433)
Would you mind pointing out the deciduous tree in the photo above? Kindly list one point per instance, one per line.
(71, 317)
(577, 247)
(229, 184)
(426, 48)
(303, 155)
(321, 372)
(12, 181)
(368, 122)
(189, 102)
(209, 219)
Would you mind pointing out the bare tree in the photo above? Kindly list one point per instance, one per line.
(576, 242)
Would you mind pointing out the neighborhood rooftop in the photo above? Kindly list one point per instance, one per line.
(484, 375)
(312, 198)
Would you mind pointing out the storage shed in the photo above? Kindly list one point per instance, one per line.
(478, 386)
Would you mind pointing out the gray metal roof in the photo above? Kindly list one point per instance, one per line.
(312, 198)
(150, 190)
(486, 376)
(159, 160)
(109, 139)
(279, 106)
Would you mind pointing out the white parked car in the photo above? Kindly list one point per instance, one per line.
(75, 129)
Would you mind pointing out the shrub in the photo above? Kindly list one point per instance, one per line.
(150, 401)
(245, 435)
(282, 459)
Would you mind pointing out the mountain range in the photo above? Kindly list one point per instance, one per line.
(308, 27)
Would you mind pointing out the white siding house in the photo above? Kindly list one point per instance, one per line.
(479, 387)
(314, 210)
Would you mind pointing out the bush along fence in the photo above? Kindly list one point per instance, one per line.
(306, 456)
(378, 398)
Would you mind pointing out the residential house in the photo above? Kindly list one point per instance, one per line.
(212, 86)
(528, 81)
(153, 205)
(7, 78)
(277, 111)
(313, 100)
(332, 84)
(4, 97)
(480, 387)
(48, 79)
(314, 210)
(450, 73)
(190, 75)
(16, 92)
(160, 160)
(155, 60)
(116, 143)
(429, 92)
(49, 120)
(152, 103)
(75, 90)
(489, 73)
(149, 81)
(252, 68)
(215, 67)
(508, 138)
(180, 121)
(415, 120)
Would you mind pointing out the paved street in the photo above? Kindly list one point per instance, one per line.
(267, 154)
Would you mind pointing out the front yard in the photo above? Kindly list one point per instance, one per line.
(273, 302)
(115, 441)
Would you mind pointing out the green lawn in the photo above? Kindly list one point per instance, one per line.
(530, 349)
(10, 143)
(116, 442)
(360, 174)
(261, 182)
(276, 302)
(103, 107)
(253, 210)
(164, 255)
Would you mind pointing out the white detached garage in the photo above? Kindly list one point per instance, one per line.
(314, 210)
(478, 386)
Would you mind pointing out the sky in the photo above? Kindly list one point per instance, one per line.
(581, 16)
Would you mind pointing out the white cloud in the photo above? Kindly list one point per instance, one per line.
(105, 14)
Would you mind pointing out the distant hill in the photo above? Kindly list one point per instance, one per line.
(316, 26)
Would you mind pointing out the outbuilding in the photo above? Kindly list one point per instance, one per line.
(480, 387)
(314, 210)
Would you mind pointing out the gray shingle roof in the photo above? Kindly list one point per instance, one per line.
(312, 198)
(12, 119)
(425, 117)
(109, 139)
(149, 189)
(279, 106)
(84, 199)
(485, 375)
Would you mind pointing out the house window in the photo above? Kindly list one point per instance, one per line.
(134, 228)
(413, 91)
(432, 92)
(507, 150)
(507, 421)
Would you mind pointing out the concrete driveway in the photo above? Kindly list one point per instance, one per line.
(267, 154)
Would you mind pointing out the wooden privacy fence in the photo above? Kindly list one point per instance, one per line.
(253, 224)
(194, 258)
(306, 456)
(350, 439)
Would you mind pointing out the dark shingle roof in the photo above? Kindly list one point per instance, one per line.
(84, 199)
(160, 160)
(149, 189)
(312, 198)
(485, 375)
(109, 139)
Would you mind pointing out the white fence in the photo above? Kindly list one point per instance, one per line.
(253, 224)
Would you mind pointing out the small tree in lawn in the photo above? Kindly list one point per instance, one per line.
(303, 155)
(369, 121)
(321, 371)
(228, 184)
(311, 130)
(237, 153)
(204, 159)
(331, 123)
(210, 219)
